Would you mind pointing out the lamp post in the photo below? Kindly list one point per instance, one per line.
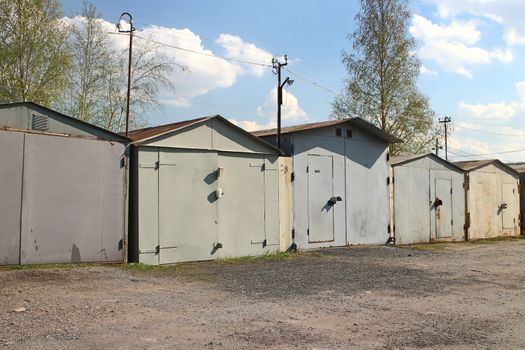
(277, 67)
(130, 31)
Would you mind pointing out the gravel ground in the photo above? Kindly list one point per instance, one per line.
(460, 296)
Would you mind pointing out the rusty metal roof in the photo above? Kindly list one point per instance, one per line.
(403, 159)
(470, 165)
(146, 133)
(361, 123)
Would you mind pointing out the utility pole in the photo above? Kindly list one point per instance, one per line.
(445, 121)
(437, 147)
(277, 70)
(130, 31)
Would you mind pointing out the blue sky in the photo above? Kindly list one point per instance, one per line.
(471, 50)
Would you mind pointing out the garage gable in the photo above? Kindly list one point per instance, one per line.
(209, 133)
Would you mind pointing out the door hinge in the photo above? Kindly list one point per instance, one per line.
(451, 190)
(306, 169)
(292, 176)
(389, 180)
(293, 233)
(308, 232)
(388, 229)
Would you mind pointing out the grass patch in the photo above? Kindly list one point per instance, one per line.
(279, 256)
(496, 239)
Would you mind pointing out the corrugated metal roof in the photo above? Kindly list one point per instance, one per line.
(146, 133)
(474, 164)
(519, 167)
(402, 159)
(469, 165)
(363, 124)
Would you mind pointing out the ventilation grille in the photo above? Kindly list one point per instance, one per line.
(39, 122)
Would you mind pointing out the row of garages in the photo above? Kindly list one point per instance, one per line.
(205, 189)
(434, 200)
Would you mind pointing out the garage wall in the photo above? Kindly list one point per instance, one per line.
(73, 200)
(11, 168)
(72, 192)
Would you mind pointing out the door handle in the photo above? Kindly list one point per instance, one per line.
(334, 200)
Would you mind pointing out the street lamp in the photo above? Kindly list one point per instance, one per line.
(130, 31)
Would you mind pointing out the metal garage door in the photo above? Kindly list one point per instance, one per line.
(241, 206)
(507, 206)
(187, 205)
(443, 208)
(11, 169)
(73, 200)
(320, 196)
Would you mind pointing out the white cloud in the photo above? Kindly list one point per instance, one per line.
(252, 125)
(205, 71)
(289, 111)
(468, 146)
(508, 13)
(451, 45)
(495, 110)
(472, 126)
(236, 48)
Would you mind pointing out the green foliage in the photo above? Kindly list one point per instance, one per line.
(383, 69)
(97, 87)
(34, 57)
(74, 66)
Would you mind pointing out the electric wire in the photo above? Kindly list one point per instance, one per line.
(197, 52)
(310, 81)
(488, 132)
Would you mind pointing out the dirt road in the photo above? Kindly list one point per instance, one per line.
(460, 296)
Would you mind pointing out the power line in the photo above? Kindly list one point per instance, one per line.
(493, 154)
(200, 53)
(302, 77)
(489, 132)
(310, 81)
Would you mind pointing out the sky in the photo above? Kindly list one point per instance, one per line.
(471, 53)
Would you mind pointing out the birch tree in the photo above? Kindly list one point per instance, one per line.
(91, 52)
(34, 57)
(97, 87)
(383, 69)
